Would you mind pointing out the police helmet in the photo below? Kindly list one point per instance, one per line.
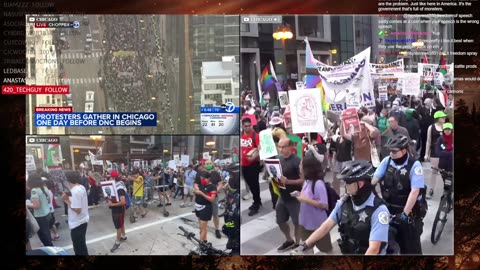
(356, 171)
(397, 140)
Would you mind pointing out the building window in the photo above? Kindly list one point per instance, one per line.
(316, 28)
(245, 27)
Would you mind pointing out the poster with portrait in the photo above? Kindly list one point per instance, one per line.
(283, 99)
(274, 169)
(109, 190)
(350, 121)
(306, 111)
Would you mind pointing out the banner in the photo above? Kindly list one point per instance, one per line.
(353, 75)
(411, 84)
(268, 148)
(306, 111)
(393, 67)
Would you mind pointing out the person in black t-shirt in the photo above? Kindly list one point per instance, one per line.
(118, 210)
(204, 196)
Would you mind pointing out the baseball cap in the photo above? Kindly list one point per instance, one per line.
(439, 114)
(448, 126)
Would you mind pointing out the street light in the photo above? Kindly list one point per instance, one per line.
(283, 32)
(210, 143)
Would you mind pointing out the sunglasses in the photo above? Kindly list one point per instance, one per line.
(394, 151)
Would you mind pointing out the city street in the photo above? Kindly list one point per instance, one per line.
(261, 235)
(152, 235)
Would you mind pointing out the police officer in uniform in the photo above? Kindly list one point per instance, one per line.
(363, 217)
(403, 189)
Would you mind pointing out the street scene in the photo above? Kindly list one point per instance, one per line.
(367, 110)
(134, 195)
(136, 63)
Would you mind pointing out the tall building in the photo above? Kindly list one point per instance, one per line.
(211, 38)
(220, 82)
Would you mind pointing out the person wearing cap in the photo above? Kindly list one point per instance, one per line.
(362, 217)
(444, 148)
(118, 210)
(403, 189)
(433, 133)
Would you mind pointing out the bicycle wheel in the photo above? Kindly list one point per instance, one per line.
(221, 207)
(440, 219)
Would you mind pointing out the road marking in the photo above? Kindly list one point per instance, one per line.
(109, 236)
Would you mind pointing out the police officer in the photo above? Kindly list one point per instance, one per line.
(362, 217)
(403, 189)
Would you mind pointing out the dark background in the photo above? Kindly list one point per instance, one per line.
(467, 146)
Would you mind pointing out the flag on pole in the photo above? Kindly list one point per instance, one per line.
(442, 65)
(312, 78)
(425, 59)
(267, 79)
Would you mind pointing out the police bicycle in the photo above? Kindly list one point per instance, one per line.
(445, 206)
(201, 248)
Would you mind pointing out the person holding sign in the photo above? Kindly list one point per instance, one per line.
(251, 163)
(287, 206)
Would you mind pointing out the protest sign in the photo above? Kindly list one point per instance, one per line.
(350, 121)
(306, 111)
(268, 148)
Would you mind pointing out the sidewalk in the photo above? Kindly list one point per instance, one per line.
(152, 235)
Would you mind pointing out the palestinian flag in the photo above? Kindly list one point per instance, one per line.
(53, 155)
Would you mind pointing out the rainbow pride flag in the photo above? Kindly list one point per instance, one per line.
(312, 79)
(267, 79)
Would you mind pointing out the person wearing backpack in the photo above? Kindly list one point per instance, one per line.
(362, 217)
(313, 202)
(118, 210)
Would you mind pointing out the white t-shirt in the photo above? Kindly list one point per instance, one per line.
(79, 199)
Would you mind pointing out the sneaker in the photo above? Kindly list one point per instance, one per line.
(115, 247)
(168, 204)
(160, 205)
(254, 206)
(287, 245)
(252, 212)
(182, 205)
(189, 204)
(123, 239)
(218, 234)
(246, 197)
(57, 224)
(56, 238)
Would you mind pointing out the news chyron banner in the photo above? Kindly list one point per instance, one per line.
(126, 74)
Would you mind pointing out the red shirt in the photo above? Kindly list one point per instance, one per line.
(246, 144)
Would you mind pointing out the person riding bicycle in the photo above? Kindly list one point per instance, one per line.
(231, 228)
(444, 148)
(363, 217)
(403, 189)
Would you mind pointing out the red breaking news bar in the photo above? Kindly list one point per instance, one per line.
(35, 89)
(54, 109)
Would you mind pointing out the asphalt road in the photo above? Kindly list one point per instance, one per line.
(261, 235)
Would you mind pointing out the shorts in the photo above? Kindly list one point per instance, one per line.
(324, 244)
(287, 209)
(187, 190)
(138, 200)
(203, 212)
(215, 207)
(118, 219)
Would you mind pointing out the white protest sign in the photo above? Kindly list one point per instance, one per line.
(172, 165)
(176, 158)
(283, 98)
(30, 163)
(299, 85)
(306, 111)
(393, 67)
(185, 160)
(268, 148)
(411, 84)
(383, 92)
(206, 155)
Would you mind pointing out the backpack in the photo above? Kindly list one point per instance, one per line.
(332, 198)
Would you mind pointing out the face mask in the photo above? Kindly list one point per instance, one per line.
(204, 182)
(208, 167)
